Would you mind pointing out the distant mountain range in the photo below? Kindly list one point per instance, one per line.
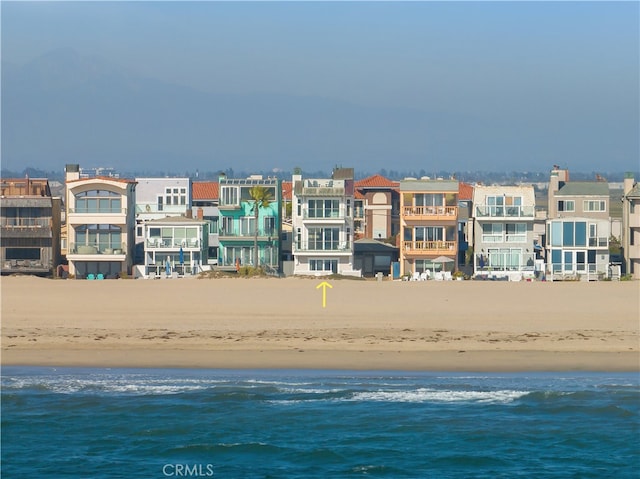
(63, 107)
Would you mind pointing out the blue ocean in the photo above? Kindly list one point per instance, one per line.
(152, 423)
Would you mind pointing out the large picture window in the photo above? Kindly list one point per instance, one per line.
(324, 208)
(324, 238)
(101, 236)
(98, 201)
(329, 265)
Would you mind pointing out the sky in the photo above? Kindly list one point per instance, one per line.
(520, 85)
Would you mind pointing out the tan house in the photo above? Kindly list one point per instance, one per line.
(376, 212)
(100, 215)
(428, 225)
(631, 226)
(578, 228)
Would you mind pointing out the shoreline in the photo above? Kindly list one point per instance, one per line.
(440, 361)
(281, 324)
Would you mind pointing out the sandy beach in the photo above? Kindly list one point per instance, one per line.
(281, 323)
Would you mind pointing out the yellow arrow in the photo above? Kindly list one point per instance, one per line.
(324, 285)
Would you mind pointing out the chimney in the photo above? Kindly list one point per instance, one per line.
(628, 182)
(72, 172)
(200, 213)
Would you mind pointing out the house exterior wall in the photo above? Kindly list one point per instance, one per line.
(428, 224)
(322, 221)
(504, 231)
(100, 214)
(631, 226)
(237, 231)
(30, 231)
(165, 239)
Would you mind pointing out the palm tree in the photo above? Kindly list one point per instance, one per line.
(262, 198)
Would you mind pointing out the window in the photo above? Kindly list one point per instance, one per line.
(160, 203)
(516, 232)
(429, 233)
(492, 233)
(102, 236)
(568, 233)
(227, 226)
(247, 226)
(566, 205)
(329, 265)
(429, 199)
(98, 201)
(505, 258)
(595, 205)
(324, 208)
(269, 226)
(229, 196)
(324, 238)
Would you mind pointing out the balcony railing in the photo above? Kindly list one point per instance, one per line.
(107, 249)
(323, 215)
(505, 211)
(25, 222)
(172, 243)
(98, 211)
(337, 247)
(430, 212)
(429, 247)
(223, 232)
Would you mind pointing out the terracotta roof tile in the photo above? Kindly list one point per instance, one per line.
(205, 190)
(287, 187)
(465, 191)
(376, 181)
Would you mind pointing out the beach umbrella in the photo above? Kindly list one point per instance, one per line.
(444, 260)
(481, 262)
(168, 266)
(181, 256)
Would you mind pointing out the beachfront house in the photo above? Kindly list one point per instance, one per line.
(205, 207)
(631, 226)
(30, 226)
(238, 229)
(322, 220)
(376, 213)
(504, 236)
(100, 216)
(578, 228)
(174, 246)
(428, 226)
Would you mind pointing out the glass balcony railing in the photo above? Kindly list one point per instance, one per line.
(343, 246)
(505, 211)
(172, 243)
(106, 249)
(248, 234)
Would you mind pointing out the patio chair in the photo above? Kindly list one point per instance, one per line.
(447, 276)
(99, 276)
(424, 276)
(91, 276)
(415, 277)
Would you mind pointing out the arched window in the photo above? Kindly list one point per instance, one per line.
(98, 201)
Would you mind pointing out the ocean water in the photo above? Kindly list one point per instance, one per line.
(152, 423)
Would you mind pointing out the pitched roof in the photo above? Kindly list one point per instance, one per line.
(103, 178)
(376, 181)
(465, 191)
(584, 188)
(205, 190)
(287, 187)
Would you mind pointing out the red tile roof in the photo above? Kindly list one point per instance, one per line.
(287, 186)
(376, 181)
(465, 191)
(205, 190)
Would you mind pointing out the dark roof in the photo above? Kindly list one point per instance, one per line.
(367, 245)
(584, 188)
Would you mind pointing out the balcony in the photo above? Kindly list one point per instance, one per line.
(527, 212)
(172, 244)
(235, 234)
(324, 216)
(320, 248)
(430, 213)
(429, 248)
(26, 222)
(103, 252)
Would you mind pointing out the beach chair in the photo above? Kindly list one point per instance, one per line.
(447, 276)
(99, 276)
(415, 277)
(91, 276)
(424, 276)
(438, 276)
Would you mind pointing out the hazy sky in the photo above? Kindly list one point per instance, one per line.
(575, 64)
